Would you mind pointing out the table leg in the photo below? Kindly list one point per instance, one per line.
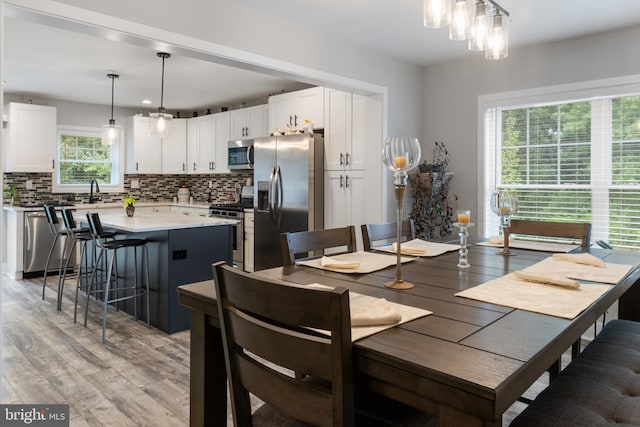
(448, 416)
(629, 304)
(208, 382)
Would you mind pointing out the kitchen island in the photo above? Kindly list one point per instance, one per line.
(181, 250)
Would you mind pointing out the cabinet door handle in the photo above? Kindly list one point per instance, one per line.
(194, 165)
(184, 167)
(136, 166)
(53, 164)
(213, 165)
(341, 181)
(341, 159)
(347, 159)
(295, 120)
(346, 182)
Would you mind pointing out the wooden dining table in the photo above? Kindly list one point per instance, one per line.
(468, 362)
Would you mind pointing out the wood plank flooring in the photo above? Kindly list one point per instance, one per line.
(139, 377)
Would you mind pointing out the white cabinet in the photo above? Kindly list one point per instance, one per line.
(31, 146)
(207, 138)
(346, 200)
(144, 152)
(247, 123)
(348, 119)
(174, 148)
(294, 108)
(248, 241)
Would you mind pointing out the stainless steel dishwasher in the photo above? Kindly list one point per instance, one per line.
(37, 243)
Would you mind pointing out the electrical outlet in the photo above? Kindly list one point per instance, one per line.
(135, 183)
(29, 185)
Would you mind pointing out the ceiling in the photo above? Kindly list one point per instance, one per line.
(69, 72)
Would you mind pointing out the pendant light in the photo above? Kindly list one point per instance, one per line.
(497, 45)
(479, 26)
(160, 122)
(111, 132)
(436, 13)
(460, 20)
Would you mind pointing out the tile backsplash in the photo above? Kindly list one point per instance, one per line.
(152, 188)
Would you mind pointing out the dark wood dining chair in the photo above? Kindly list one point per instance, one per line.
(296, 246)
(383, 233)
(567, 230)
(269, 334)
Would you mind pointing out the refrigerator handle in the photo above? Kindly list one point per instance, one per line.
(280, 196)
(272, 215)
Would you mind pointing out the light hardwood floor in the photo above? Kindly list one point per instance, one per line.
(139, 377)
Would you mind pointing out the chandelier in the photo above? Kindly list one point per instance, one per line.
(484, 23)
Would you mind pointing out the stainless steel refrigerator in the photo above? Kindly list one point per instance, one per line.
(288, 191)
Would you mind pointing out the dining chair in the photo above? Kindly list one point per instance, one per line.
(296, 246)
(270, 332)
(568, 230)
(383, 233)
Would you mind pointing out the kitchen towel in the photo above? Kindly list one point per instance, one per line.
(419, 247)
(552, 300)
(367, 262)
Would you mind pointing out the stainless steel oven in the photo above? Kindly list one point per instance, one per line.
(233, 211)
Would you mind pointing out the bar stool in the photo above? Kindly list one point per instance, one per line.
(111, 246)
(52, 220)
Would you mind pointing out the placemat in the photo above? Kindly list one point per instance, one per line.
(534, 245)
(430, 248)
(359, 301)
(539, 298)
(610, 273)
(368, 262)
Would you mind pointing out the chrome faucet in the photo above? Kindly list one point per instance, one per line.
(91, 199)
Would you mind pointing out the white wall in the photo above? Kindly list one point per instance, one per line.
(451, 90)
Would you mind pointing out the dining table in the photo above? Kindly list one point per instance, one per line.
(467, 362)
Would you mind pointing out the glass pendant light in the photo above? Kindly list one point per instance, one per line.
(497, 44)
(479, 26)
(160, 122)
(460, 20)
(111, 132)
(436, 13)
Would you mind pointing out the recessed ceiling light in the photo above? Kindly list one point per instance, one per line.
(146, 101)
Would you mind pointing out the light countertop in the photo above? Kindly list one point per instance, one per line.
(158, 222)
(97, 206)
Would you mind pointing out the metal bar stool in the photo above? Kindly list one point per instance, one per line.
(52, 220)
(106, 246)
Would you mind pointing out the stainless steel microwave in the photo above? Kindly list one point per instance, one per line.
(240, 154)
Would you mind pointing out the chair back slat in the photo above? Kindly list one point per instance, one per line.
(383, 233)
(267, 323)
(306, 244)
(566, 230)
(50, 212)
(95, 225)
(69, 220)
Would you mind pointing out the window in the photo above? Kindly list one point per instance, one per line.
(81, 157)
(571, 160)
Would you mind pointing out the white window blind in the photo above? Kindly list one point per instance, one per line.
(573, 161)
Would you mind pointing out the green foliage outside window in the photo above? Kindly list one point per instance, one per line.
(83, 158)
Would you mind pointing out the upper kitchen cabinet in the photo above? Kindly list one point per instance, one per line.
(352, 130)
(248, 123)
(31, 146)
(174, 148)
(144, 152)
(207, 144)
(294, 108)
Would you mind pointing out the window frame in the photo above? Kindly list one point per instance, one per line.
(489, 125)
(117, 161)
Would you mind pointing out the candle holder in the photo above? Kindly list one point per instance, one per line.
(505, 205)
(463, 252)
(400, 155)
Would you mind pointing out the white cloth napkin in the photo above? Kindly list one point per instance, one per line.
(408, 250)
(586, 259)
(547, 279)
(327, 262)
(376, 311)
